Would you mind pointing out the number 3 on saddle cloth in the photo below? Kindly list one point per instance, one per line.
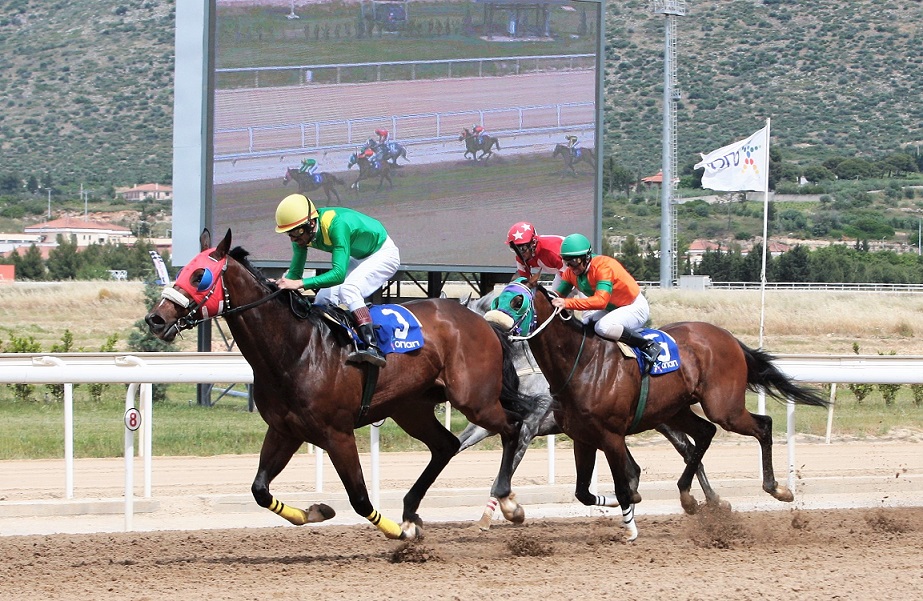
(669, 355)
(397, 329)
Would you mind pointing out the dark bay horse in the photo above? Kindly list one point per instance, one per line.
(571, 160)
(308, 183)
(391, 151)
(387, 151)
(539, 421)
(369, 170)
(474, 143)
(305, 390)
(598, 390)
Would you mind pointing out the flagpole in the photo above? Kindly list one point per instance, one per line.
(765, 236)
(761, 400)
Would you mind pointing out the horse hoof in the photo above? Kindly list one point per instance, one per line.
(512, 510)
(783, 494)
(688, 502)
(320, 512)
(411, 531)
(635, 497)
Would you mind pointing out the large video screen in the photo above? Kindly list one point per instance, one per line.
(324, 80)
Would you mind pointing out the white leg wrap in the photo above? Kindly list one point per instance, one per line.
(628, 521)
(604, 501)
(488, 515)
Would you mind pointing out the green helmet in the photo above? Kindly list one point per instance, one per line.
(576, 245)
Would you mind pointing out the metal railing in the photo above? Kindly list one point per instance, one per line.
(808, 286)
(322, 136)
(147, 368)
(338, 73)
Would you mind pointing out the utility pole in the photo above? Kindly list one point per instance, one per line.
(84, 195)
(670, 9)
(49, 203)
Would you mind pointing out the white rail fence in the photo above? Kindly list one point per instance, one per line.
(139, 371)
(339, 73)
(408, 129)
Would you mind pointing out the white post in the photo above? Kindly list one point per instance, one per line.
(318, 469)
(790, 427)
(69, 441)
(374, 435)
(129, 459)
(147, 425)
(550, 443)
(448, 416)
(830, 412)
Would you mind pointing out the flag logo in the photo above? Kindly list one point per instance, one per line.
(742, 165)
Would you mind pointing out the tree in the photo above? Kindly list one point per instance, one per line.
(793, 266)
(617, 178)
(63, 261)
(899, 163)
(9, 183)
(30, 265)
(855, 169)
(818, 173)
(630, 257)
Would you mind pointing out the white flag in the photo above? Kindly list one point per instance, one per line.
(743, 165)
(159, 266)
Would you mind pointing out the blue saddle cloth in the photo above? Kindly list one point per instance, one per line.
(669, 355)
(318, 178)
(398, 330)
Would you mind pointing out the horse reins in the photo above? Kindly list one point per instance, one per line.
(557, 311)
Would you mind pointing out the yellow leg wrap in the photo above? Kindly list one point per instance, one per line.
(292, 514)
(389, 528)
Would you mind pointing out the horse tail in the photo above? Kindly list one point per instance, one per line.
(517, 404)
(763, 374)
(336, 180)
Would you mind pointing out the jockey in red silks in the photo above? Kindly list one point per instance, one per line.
(478, 132)
(382, 135)
(534, 252)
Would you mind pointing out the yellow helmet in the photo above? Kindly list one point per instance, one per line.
(294, 210)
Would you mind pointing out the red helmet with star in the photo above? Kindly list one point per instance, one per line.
(521, 233)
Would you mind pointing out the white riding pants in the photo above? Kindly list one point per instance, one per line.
(363, 278)
(611, 324)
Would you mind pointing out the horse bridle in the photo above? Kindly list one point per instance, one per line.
(530, 294)
(189, 321)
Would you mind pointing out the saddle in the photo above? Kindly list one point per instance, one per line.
(396, 328)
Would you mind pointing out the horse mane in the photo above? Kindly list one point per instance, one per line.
(239, 254)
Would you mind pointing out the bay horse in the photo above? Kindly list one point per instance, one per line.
(571, 159)
(305, 390)
(368, 170)
(309, 183)
(598, 390)
(539, 421)
(474, 143)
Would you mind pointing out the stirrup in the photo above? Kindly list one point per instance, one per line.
(367, 355)
(650, 358)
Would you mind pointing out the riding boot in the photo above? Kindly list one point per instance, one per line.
(649, 349)
(371, 353)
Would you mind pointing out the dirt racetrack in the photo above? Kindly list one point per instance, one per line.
(806, 550)
(851, 554)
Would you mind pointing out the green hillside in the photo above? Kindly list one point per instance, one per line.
(86, 87)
